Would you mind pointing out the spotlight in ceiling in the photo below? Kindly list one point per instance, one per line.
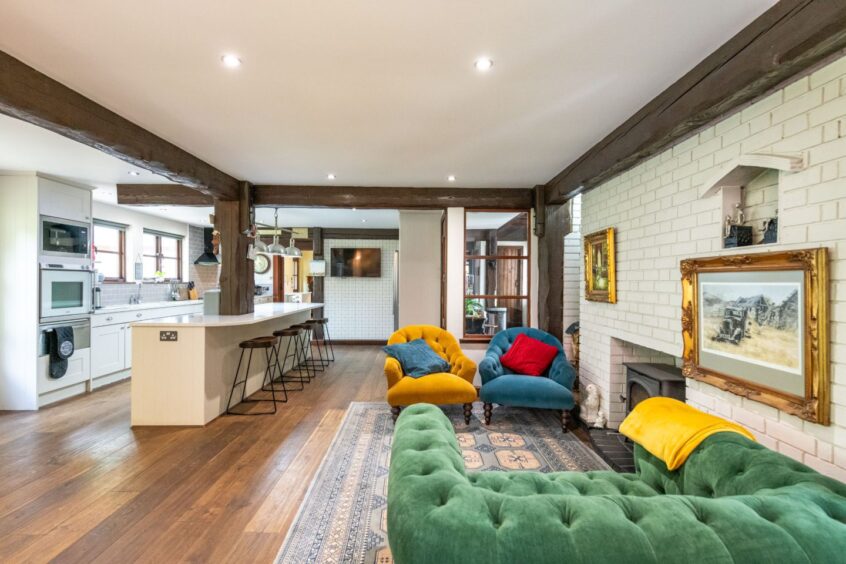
(134, 173)
(483, 64)
(231, 61)
(451, 178)
(364, 221)
(330, 176)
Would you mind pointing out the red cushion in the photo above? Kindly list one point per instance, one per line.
(529, 356)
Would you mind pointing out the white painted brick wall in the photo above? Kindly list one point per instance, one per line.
(659, 220)
(361, 308)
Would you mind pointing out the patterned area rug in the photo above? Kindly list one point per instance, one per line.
(343, 517)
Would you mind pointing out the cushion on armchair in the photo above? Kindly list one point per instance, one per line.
(529, 356)
(417, 358)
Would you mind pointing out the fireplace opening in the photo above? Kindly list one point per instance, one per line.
(647, 380)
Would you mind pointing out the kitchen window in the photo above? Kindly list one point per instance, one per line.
(497, 250)
(162, 256)
(110, 250)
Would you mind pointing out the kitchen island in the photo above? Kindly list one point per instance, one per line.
(184, 366)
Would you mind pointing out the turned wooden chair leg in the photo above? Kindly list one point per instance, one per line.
(565, 419)
(468, 412)
(488, 411)
(395, 411)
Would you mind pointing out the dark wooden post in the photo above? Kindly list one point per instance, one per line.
(551, 267)
(237, 274)
(317, 281)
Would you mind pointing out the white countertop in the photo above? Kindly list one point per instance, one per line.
(145, 305)
(263, 312)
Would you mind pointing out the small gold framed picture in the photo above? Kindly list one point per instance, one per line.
(600, 269)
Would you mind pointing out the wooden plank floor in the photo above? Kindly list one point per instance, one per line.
(80, 485)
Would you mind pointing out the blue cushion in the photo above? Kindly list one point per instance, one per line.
(417, 358)
(527, 391)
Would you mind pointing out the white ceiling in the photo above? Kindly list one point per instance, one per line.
(380, 93)
(26, 147)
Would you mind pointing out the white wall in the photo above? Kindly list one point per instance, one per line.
(360, 309)
(18, 291)
(660, 220)
(420, 267)
(137, 221)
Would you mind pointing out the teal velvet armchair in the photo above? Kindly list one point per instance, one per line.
(552, 390)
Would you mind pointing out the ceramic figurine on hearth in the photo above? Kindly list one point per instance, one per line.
(590, 407)
(601, 421)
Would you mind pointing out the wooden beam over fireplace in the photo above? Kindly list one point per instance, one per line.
(34, 97)
(789, 38)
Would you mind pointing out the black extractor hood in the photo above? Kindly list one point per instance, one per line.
(207, 257)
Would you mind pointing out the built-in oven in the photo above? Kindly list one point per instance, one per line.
(65, 238)
(66, 290)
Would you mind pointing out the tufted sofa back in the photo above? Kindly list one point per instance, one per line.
(743, 504)
(728, 464)
(502, 341)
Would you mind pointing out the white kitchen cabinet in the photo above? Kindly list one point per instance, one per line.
(56, 199)
(108, 349)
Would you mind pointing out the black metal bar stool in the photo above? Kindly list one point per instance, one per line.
(319, 344)
(304, 346)
(327, 339)
(292, 351)
(261, 343)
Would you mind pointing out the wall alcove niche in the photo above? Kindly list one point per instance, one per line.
(749, 188)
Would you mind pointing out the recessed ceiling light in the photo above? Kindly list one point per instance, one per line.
(231, 61)
(134, 173)
(451, 178)
(483, 64)
(330, 176)
(364, 221)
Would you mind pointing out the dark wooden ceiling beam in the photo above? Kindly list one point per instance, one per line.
(383, 197)
(161, 195)
(789, 38)
(365, 197)
(34, 97)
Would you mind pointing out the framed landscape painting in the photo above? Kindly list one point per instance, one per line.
(600, 268)
(757, 326)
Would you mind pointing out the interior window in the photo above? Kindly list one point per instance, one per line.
(496, 272)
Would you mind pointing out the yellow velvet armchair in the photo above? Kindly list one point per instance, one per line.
(440, 388)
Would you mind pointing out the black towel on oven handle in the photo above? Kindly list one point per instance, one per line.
(61, 348)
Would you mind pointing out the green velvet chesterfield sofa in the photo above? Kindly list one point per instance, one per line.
(732, 501)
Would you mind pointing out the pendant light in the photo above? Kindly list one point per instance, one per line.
(276, 248)
(260, 246)
(292, 250)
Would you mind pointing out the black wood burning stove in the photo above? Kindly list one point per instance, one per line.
(646, 380)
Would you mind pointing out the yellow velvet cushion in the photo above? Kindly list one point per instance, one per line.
(439, 388)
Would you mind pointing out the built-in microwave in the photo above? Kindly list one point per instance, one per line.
(66, 290)
(65, 238)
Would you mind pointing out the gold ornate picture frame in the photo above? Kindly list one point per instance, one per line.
(600, 267)
(757, 326)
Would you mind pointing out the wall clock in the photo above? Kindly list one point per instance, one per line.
(261, 263)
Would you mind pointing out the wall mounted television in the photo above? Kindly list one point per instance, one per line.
(365, 263)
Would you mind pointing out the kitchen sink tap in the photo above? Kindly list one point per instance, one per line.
(136, 299)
